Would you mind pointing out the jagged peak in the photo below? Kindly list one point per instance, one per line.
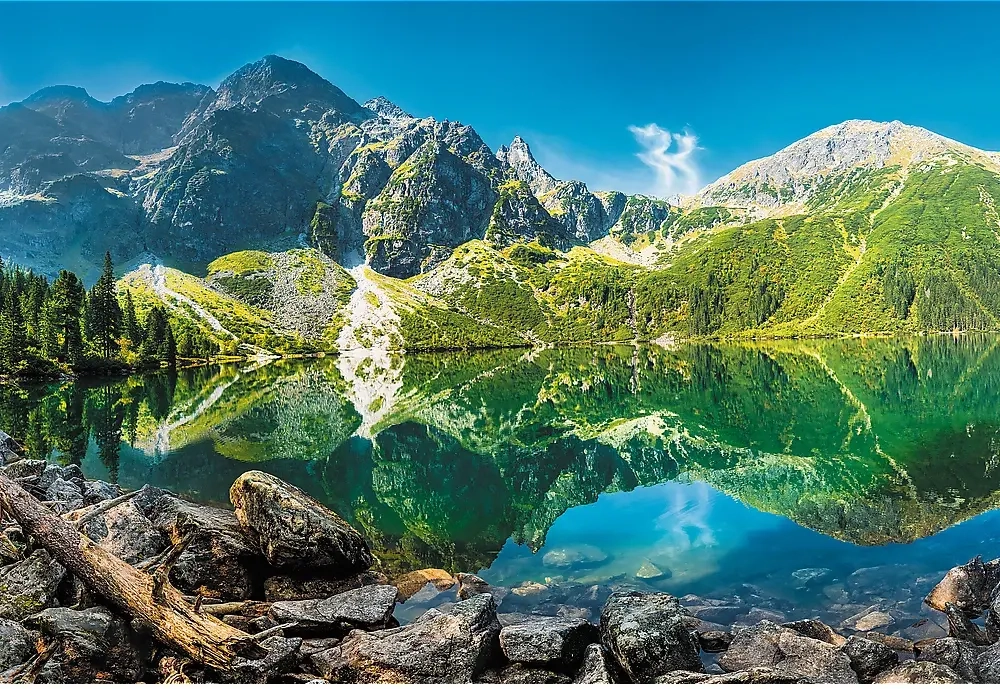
(61, 93)
(384, 107)
(522, 165)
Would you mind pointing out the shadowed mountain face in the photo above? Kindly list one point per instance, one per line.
(870, 442)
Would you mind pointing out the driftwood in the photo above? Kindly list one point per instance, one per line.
(150, 600)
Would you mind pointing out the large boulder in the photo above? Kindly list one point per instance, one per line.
(548, 641)
(94, 646)
(219, 561)
(868, 657)
(369, 607)
(294, 531)
(16, 645)
(968, 587)
(28, 586)
(647, 636)
(452, 646)
(282, 658)
(961, 656)
(765, 644)
(127, 533)
(919, 672)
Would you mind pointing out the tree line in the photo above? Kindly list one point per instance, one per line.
(51, 327)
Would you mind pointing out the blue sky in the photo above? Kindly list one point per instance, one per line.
(580, 82)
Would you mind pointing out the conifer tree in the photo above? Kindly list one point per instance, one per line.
(12, 335)
(64, 313)
(130, 324)
(104, 315)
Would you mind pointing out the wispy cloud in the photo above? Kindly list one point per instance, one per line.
(671, 158)
(665, 166)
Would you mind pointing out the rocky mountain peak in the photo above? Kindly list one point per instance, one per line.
(384, 107)
(522, 165)
(62, 93)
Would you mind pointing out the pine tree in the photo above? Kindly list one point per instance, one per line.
(130, 324)
(12, 335)
(104, 314)
(63, 316)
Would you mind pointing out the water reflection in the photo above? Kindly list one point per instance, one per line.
(491, 460)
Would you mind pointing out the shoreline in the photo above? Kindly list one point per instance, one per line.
(322, 611)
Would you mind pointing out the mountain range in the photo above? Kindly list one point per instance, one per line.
(276, 211)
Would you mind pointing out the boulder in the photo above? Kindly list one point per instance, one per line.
(919, 672)
(219, 561)
(369, 607)
(282, 658)
(988, 665)
(552, 642)
(29, 586)
(95, 492)
(410, 583)
(66, 496)
(285, 587)
(767, 645)
(896, 643)
(961, 656)
(810, 576)
(868, 657)
(577, 557)
(969, 587)
(866, 622)
(597, 667)
(470, 585)
(24, 469)
(94, 646)
(127, 533)
(518, 673)
(452, 646)
(757, 675)
(815, 629)
(294, 531)
(16, 645)
(646, 635)
(714, 641)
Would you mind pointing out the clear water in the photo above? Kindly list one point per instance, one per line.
(727, 468)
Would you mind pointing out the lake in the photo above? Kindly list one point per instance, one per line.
(817, 476)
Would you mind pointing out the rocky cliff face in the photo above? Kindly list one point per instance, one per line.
(276, 157)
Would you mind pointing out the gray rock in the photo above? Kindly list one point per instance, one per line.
(294, 531)
(16, 645)
(546, 641)
(714, 641)
(369, 607)
(896, 643)
(919, 672)
(869, 658)
(768, 645)
(282, 657)
(95, 492)
(717, 614)
(518, 673)
(757, 675)
(576, 557)
(95, 645)
(812, 575)
(438, 647)
(66, 494)
(968, 587)
(24, 469)
(988, 665)
(961, 656)
(126, 533)
(815, 629)
(521, 165)
(219, 560)
(29, 586)
(647, 636)
(597, 667)
(470, 585)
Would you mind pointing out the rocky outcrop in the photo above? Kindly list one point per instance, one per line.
(294, 531)
(519, 217)
(646, 635)
(520, 164)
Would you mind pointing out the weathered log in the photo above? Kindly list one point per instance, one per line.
(157, 606)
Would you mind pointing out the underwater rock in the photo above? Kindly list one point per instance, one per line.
(577, 557)
(647, 636)
(294, 531)
(410, 583)
(470, 585)
(820, 631)
(969, 587)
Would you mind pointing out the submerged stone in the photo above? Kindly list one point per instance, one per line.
(576, 557)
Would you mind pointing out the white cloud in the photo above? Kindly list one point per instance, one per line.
(670, 157)
(665, 166)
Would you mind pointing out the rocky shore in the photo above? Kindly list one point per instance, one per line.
(306, 586)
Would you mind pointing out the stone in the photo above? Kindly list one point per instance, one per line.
(756, 615)
(29, 586)
(282, 658)
(647, 636)
(868, 657)
(294, 531)
(127, 533)
(369, 607)
(650, 572)
(812, 575)
(94, 645)
(286, 587)
(919, 672)
(470, 585)
(577, 557)
(815, 629)
(410, 583)
(16, 645)
(452, 646)
(961, 656)
(518, 673)
(988, 665)
(717, 614)
(757, 675)
(968, 587)
(24, 469)
(547, 641)
(66, 495)
(868, 621)
(95, 492)
(714, 641)
(219, 561)
(767, 645)
(597, 667)
(896, 643)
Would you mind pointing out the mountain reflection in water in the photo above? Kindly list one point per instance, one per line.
(693, 465)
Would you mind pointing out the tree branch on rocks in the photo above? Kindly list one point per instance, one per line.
(157, 606)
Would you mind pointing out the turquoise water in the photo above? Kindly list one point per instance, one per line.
(719, 471)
